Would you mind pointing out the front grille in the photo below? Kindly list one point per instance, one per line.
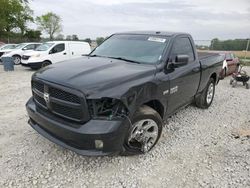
(63, 95)
(25, 57)
(1, 53)
(39, 86)
(40, 100)
(66, 111)
(66, 104)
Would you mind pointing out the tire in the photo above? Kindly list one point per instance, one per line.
(145, 121)
(231, 81)
(247, 85)
(45, 64)
(202, 100)
(234, 83)
(225, 72)
(17, 59)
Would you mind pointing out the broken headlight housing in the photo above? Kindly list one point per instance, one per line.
(107, 108)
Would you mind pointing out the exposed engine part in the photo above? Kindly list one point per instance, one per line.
(108, 108)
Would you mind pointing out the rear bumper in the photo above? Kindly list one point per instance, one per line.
(81, 139)
(35, 65)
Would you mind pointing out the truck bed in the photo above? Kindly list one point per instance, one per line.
(204, 55)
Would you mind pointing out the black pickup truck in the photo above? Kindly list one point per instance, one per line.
(115, 100)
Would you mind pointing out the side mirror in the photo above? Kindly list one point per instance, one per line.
(24, 48)
(181, 60)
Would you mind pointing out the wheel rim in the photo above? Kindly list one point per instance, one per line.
(17, 60)
(210, 93)
(143, 135)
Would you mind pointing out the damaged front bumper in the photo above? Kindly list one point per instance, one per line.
(95, 137)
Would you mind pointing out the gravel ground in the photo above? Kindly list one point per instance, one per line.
(198, 148)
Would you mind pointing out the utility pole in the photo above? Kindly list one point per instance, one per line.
(246, 49)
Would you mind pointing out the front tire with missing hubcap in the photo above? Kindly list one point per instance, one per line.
(144, 132)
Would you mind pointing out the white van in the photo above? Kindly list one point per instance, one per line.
(54, 52)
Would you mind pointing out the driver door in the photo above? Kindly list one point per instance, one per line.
(58, 53)
(184, 80)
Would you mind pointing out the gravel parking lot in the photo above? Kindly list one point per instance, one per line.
(198, 148)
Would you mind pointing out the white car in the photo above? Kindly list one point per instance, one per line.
(54, 52)
(19, 50)
(6, 48)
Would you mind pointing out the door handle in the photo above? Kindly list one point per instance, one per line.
(196, 69)
(64, 53)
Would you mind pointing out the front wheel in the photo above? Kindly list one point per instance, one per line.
(207, 95)
(144, 132)
(45, 64)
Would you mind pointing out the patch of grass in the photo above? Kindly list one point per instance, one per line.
(245, 63)
(241, 54)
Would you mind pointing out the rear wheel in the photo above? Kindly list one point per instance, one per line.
(247, 85)
(225, 72)
(231, 81)
(144, 132)
(17, 59)
(206, 97)
(234, 83)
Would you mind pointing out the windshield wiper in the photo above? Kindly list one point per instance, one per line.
(95, 55)
(124, 59)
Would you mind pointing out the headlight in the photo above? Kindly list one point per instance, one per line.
(107, 108)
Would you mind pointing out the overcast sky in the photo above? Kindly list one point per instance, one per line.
(204, 19)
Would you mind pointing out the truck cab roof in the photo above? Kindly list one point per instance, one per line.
(160, 33)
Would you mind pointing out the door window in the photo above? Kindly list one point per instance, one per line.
(30, 47)
(182, 46)
(58, 48)
(36, 45)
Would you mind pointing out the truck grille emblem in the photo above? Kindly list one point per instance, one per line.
(46, 97)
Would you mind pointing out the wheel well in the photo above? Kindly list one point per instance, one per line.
(157, 106)
(16, 55)
(48, 61)
(214, 76)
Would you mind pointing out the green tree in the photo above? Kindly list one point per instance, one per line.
(14, 14)
(23, 17)
(50, 23)
(33, 35)
(88, 40)
(234, 45)
(99, 40)
(60, 37)
(74, 37)
(68, 37)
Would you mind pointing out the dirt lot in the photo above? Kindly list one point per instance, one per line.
(199, 148)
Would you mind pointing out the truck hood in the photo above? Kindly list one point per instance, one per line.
(95, 75)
